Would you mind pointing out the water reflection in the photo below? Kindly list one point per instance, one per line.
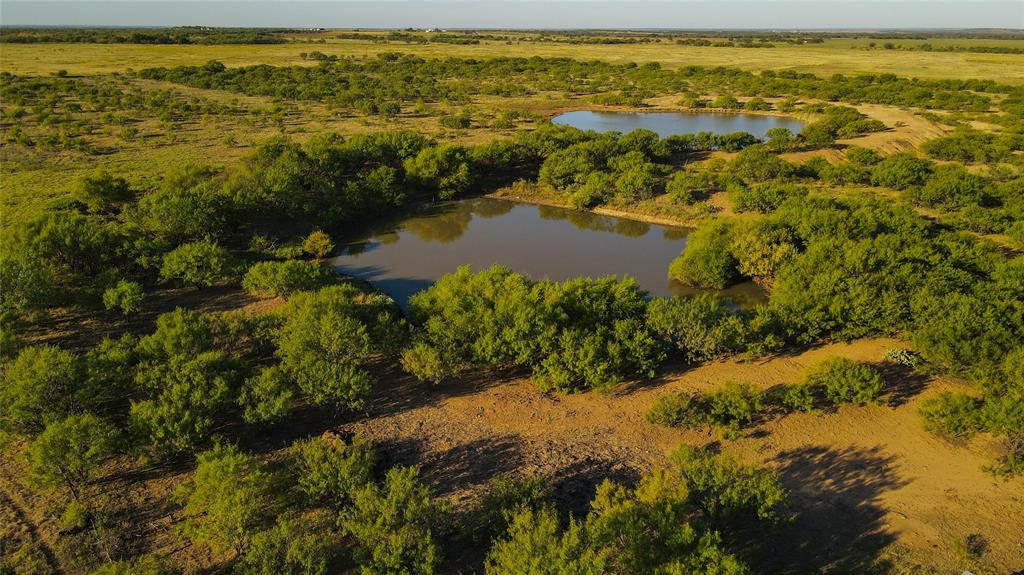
(671, 123)
(405, 255)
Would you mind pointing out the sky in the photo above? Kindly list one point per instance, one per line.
(532, 14)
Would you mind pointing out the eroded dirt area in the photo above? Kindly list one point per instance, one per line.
(868, 484)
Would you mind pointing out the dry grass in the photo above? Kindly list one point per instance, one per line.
(832, 57)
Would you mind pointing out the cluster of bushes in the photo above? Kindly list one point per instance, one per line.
(583, 333)
(969, 145)
(855, 267)
(407, 78)
(627, 168)
(675, 520)
(61, 113)
(835, 122)
(969, 201)
(996, 407)
(736, 406)
(174, 388)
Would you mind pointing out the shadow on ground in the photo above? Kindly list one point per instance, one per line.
(839, 525)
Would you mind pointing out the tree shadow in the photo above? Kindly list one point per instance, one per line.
(839, 525)
(398, 391)
(902, 382)
(461, 467)
(576, 484)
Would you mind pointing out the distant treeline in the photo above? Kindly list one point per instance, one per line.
(183, 35)
(931, 48)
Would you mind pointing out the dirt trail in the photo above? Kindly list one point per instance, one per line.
(13, 514)
(867, 481)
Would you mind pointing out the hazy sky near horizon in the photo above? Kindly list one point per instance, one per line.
(636, 14)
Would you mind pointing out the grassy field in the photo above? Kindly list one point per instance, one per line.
(832, 57)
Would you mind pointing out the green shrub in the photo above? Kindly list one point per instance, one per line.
(295, 545)
(102, 192)
(862, 156)
(764, 198)
(953, 414)
(456, 121)
(38, 389)
(268, 396)
(126, 297)
(504, 498)
(730, 408)
(901, 171)
(734, 406)
(536, 544)
(845, 381)
(757, 105)
(950, 187)
(706, 262)
(725, 489)
(329, 336)
(331, 470)
(227, 500)
(318, 244)
(583, 333)
(758, 164)
(70, 452)
(726, 101)
(392, 525)
(282, 279)
(189, 394)
(796, 397)
(200, 264)
(699, 328)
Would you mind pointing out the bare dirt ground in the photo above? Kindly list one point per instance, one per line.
(868, 483)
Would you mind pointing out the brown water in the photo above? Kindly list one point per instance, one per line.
(408, 254)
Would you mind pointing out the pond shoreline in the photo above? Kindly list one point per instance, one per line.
(611, 212)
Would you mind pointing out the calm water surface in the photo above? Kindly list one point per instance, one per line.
(410, 253)
(671, 123)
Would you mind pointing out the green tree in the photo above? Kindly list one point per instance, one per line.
(102, 192)
(39, 388)
(901, 171)
(331, 470)
(71, 451)
(443, 169)
(318, 244)
(328, 338)
(227, 501)
(125, 297)
(190, 394)
(845, 381)
(537, 545)
(706, 262)
(282, 279)
(392, 525)
(295, 545)
(699, 328)
(178, 333)
(200, 264)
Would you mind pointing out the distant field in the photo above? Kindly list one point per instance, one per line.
(834, 56)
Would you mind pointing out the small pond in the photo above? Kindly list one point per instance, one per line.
(410, 253)
(671, 123)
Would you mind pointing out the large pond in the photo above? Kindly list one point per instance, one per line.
(410, 253)
(671, 123)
